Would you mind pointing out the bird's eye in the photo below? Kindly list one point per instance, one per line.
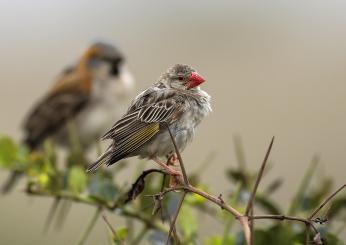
(180, 78)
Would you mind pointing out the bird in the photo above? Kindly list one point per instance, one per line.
(92, 93)
(175, 101)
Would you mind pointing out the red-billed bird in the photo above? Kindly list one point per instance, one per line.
(175, 100)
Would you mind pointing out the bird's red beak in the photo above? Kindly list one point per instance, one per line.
(195, 80)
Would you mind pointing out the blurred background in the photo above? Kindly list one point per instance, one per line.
(272, 68)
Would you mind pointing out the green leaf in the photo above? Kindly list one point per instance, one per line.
(77, 179)
(218, 240)
(121, 235)
(8, 152)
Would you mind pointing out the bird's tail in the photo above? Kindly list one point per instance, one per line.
(105, 158)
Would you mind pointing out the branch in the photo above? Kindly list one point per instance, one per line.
(115, 234)
(284, 217)
(186, 183)
(326, 201)
(171, 228)
(259, 177)
(181, 163)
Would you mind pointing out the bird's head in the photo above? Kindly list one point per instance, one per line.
(182, 77)
(101, 54)
(107, 63)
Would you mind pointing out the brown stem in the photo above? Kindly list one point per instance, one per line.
(244, 222)
(171, 228)
(285, 217)
(326, 201)
(251, 223)
(259, 177)
(115, 234)
(307, 234)
(215, 200)
(181, 163)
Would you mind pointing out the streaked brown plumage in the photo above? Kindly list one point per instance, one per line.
(91, 93)
(71, 94)
(175, 100)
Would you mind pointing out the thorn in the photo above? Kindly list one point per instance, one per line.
(221, 199)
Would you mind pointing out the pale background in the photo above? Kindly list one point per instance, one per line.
(273, 68)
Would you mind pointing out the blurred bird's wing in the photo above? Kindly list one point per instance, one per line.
(141, 123)
(67, 97)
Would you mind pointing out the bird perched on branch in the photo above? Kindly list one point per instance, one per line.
(176, 101)
(93, 94)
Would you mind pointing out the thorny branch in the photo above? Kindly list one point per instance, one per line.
(248, 214)
(325, 202)
(186, 187)
(258, 179)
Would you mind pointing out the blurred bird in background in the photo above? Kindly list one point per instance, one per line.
(177, 101)
(92, 93)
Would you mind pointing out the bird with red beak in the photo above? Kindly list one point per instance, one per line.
(176, 101)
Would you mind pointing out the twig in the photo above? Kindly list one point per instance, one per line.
(326, 201)
(259, 177)
(244, 222)
(215, 200)
(284, 217)
(172, 226)
(307, 234)
(186, 179)
(252, 224)
(115, 234)
(186, 183)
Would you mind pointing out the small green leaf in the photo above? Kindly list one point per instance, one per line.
(8, 152)
(218, 240)
(121, 235)
(77, 179)
(194, 199)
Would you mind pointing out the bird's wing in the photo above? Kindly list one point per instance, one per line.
(67, 97)
(142, 122)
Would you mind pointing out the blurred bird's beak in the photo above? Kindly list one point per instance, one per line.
(195, 80)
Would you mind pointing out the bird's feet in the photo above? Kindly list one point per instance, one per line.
(172, 159)
(168, 169)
